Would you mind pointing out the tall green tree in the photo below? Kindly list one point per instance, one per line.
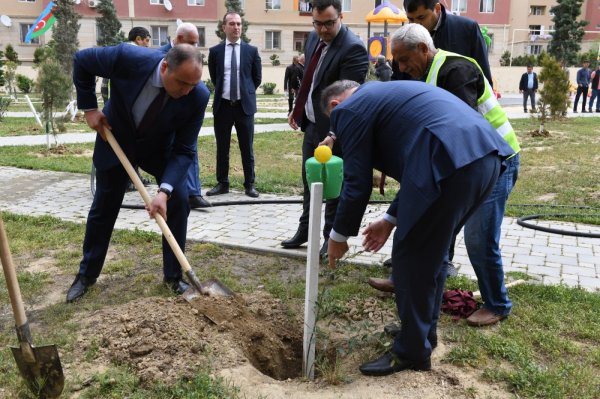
(109, 26)
(64, 34)
(235, 6)
(568, 31)
(555, 92)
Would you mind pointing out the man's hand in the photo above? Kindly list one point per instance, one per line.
(97, 121)
(328, 141)
(376, 234)
(336, 250)
(292, 122)
(158, 205)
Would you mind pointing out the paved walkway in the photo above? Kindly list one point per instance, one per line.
(550, 258)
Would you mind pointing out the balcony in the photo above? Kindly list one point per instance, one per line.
(305, 8)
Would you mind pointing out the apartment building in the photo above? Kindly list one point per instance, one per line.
(280, 26)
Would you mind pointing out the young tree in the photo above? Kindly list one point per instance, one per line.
(109, 26)
(235, 6)
(11, 54)
(11, 64)
(568, 31)
(55, 88)
(64, 34)
(555, 92)
(2, 80)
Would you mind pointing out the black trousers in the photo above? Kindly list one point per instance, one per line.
(227, 116)
(580, 90)
(418, 259)
(311, 141)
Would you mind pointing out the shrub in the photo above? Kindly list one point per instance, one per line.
(275, 60)
(4, 104)
(268, 88)
(209, 85)
(24, 83)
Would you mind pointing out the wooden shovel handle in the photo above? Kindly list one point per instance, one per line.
(147, 200)
(14, 292)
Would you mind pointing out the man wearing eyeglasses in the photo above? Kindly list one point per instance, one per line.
(333, 53)
(188, 33)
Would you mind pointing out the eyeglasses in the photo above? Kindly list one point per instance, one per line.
(327, 24)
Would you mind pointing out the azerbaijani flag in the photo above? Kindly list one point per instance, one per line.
(43, 23)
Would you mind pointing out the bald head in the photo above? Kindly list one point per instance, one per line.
(186, 33)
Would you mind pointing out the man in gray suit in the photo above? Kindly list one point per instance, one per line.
(333, 53)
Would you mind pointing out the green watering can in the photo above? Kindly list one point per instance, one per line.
(327, 169)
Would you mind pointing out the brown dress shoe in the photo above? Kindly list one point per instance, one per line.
(382, 284)
(484, 317)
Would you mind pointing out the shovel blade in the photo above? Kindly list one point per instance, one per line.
(44, 376)
(212, 287)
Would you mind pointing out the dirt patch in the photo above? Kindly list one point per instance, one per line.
(164, 339)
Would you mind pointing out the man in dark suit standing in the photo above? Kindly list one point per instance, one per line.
(291, 80)
(236, 72)
(446, 163)
(528, 86)
(155, 112)
(333, 53)
(188, 33)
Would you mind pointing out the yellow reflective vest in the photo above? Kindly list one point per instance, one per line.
(487, 104)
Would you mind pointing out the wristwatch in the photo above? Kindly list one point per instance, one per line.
(166, 191)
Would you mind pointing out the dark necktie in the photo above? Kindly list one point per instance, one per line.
(233, 87)
(307, 80)
(152, 113)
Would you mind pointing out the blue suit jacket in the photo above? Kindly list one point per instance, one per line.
(346, 58)
(398, 127)
(250, 70)
(169, 145)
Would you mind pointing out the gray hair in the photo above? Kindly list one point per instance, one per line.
(334, 90)
(411, 35)
(186, 27)
(182, 53)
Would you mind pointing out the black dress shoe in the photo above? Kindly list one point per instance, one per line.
(387, 262)
(198, 201)
(324, 247)
(79, 287)
(298, 239)
(220, 188)
(178, 285)
(251, 192)
(389, 363)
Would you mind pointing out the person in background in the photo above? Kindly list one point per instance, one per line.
(335, 53)
(292, 79)
(583, 83)
(382, 70)
(188, 33)
(155, 113)
(595, 84)
(236, 71)
(447, 163)
(528, 87)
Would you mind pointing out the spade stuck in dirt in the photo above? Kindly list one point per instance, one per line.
(212, 287)
(40, 366)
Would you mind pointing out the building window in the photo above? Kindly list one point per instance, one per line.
(195, 2)
(305, 7)
(535, 29)
(534, 49)
(159, 35)
(486, 6)
(157, 1)
(27, 1)
(201, 36)
(346, 5)
(537, 10)
(459, 6)
(272, 40)
(24, 29)
(273, 4)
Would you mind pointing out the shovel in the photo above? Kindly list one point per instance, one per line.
(212, 287)
(39, 366)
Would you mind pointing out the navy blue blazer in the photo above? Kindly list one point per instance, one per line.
(525, 80)
(250, 69)
(346, 59)
(398, 128)
(171, 141)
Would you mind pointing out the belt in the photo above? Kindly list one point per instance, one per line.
(232, 103)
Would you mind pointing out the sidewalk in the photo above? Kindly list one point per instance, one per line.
(551, 259)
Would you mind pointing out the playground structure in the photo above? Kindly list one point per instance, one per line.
(385, 13)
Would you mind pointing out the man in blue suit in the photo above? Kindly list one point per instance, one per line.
(333, 52)
(155, 112)
(188, 33)
(236, 72)
(446, 163)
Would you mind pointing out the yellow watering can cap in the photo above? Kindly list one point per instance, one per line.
(323, 153)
